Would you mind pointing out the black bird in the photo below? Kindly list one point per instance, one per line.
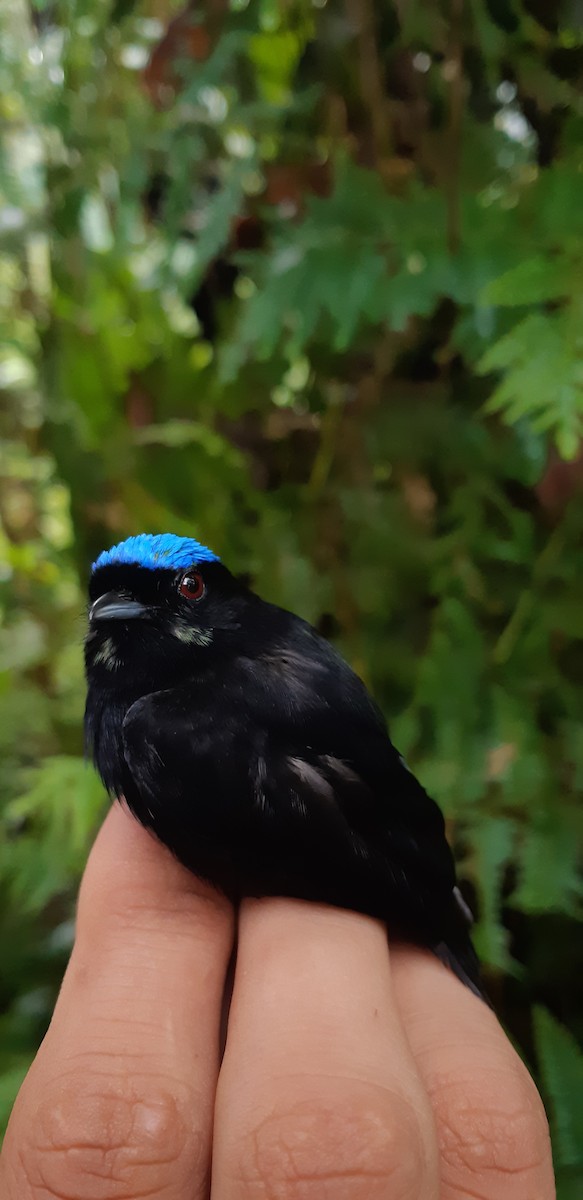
(243, 740)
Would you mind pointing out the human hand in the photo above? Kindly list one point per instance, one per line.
(348, 1074)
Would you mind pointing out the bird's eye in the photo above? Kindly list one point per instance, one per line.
(191, 586)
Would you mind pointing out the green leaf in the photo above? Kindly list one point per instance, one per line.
(219, 217)
(493, 845)
(533, 281)
(549, 879)
(186, 433)
(10, 1082)
(542, 364)
(275, 56)
(63, 803)
(561, 1062)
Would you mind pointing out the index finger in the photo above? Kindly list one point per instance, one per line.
(119, 1100)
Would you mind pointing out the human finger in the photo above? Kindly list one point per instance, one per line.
(119, 1100)
(491, 1127)
(318, 1093)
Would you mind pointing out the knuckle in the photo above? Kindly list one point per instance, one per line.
(494, 1126)
(180, 898)
(328, 1149)
(105, 1139)
(190, 911)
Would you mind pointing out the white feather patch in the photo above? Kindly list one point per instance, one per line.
(311, 777)
(191, 635)
(107, 656)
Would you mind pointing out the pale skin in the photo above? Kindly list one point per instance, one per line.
(350, 1073)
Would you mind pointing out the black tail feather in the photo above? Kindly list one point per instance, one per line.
(464, 963)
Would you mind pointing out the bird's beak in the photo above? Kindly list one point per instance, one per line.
(113, 607)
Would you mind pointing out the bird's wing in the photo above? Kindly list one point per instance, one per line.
(345, 758)
(287, 759)
(320, 713)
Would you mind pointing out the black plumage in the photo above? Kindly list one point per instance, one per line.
(251, 749)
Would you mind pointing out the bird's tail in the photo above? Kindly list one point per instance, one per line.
(464, 963)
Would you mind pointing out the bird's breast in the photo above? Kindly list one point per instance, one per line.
(104, 717)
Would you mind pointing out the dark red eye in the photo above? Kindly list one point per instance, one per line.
(191, 586)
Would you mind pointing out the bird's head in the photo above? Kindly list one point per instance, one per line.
(158, 604)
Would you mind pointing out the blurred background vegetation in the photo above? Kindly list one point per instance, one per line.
(304, 279)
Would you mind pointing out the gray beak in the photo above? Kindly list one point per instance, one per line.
(113, 607)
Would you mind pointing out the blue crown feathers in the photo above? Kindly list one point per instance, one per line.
(154, 551)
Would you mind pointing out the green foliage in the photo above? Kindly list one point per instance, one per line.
(544, 374)
(318, 301)
(561, 1063)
